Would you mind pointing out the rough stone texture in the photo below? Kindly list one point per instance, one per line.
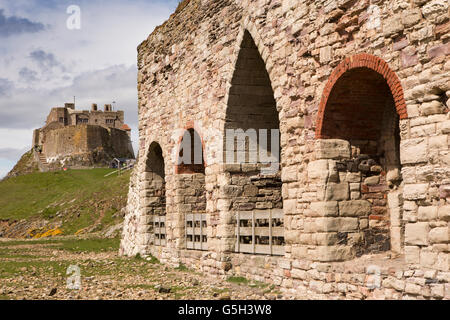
(417, 233)
(360, 95)
(80, 138)
(85, 145)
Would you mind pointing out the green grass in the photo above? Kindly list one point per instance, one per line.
(10, 269)
(78, 197)
(90, 245)
(238, 280)
(220, 290)
(182, 267)
(141, 286)
(13, 243)
(245, 281)
(16, 254)
(72, 244)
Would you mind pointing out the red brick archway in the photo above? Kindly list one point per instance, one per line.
(191, 168)
(362, 60)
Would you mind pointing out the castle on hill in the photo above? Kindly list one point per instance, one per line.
(82, 138)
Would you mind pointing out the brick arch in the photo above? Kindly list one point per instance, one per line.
(183, 168)
(362, 60)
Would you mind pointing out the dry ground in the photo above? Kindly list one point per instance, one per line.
(37, 270)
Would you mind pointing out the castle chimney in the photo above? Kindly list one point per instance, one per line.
(107, 107)
(94, 107)
(69, 106)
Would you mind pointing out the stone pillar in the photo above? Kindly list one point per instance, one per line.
(426, 207)
(332, 213)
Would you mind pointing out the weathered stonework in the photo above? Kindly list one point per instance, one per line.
(360, 93)
(81, 138)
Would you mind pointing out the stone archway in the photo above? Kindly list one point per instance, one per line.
(191, 192)
(252, 133)
(155, 190)
(365, 61)
(359, 117)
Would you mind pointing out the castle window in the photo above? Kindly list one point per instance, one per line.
(82, 121)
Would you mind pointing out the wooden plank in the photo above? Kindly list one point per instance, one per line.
(270, 232)
(199, 216)
(238, 230)
(201, 233)
(245, 215)
(159, 230)
(245, 231)
(262, 231)
(253, 231)
(277, 232)
(262, 249)
(277, 214)
(246, 248)
(262, 214)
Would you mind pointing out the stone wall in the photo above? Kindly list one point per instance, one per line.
(359, 91)
(85, 145)
(68, 116)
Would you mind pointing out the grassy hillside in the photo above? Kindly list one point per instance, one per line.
(71, 200)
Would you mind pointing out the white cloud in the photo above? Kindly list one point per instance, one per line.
(15, 138)
(97, 64)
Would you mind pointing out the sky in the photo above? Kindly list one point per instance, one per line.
(49, 54)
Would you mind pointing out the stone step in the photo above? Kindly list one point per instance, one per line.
(43, 160)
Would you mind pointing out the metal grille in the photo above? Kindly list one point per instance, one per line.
(260, 232)
(159, 230)
(196, 236)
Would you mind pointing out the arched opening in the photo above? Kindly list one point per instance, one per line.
(362, 109)
(252, 154)
(191, 190)
(190, 155)
(155, 190)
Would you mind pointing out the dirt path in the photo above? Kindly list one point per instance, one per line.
(38, 270)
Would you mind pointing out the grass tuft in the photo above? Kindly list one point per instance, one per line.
(238, 280)
(90, 245)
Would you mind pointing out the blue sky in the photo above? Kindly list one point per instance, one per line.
(44, 64)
